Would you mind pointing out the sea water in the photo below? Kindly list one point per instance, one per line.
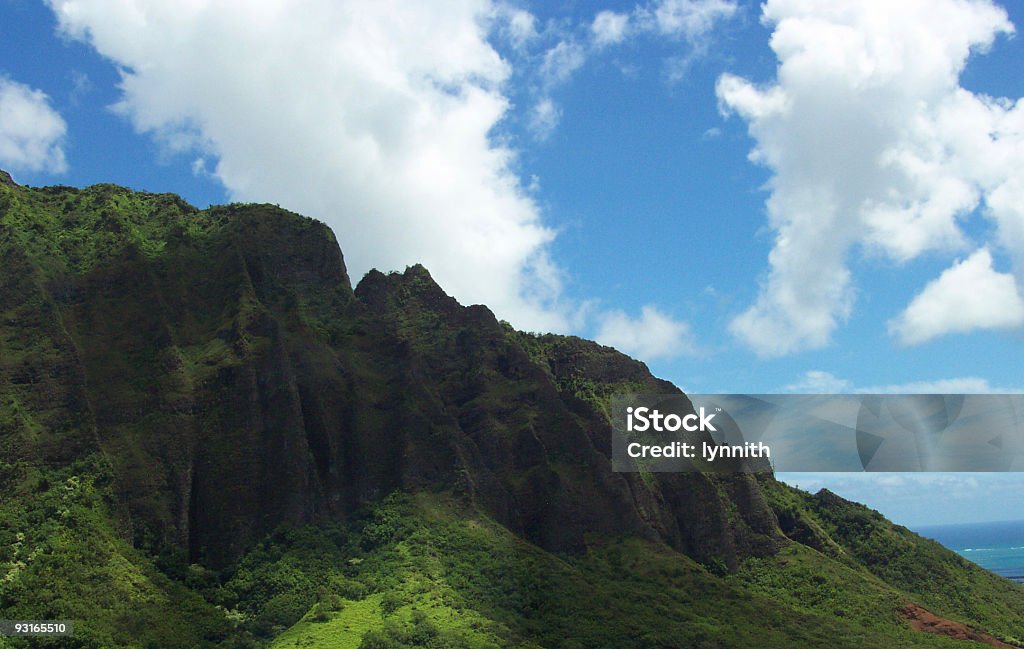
(998, 547)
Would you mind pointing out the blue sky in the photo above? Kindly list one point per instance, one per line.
(795, 196)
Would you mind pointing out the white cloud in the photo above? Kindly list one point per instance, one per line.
(557, 65)
(959, 385)
(651, 336)
(969, 295)
(375, 117)
(691, 19)
(544, 118)
(819, 382)
(31, 131)
(521, 25)
(872, 143)
(688, 20)
(81, 86)
(561, 61)
(609, 28)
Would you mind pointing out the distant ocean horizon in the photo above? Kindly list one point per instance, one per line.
(998, 547)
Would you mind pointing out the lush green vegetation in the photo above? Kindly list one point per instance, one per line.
(63, 556)
(920, 568)
(201, 423)
(576, 380)
(422, 571)
(425, 571)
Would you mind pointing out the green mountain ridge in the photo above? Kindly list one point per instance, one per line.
(210, 438)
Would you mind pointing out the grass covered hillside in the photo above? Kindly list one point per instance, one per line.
(210, 438)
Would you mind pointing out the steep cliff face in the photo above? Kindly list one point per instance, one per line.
(222, 363)
(208, 438)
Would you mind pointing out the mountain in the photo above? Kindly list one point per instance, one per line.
(210, 438)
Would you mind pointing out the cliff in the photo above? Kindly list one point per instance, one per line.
(223, 363)
(210, 377)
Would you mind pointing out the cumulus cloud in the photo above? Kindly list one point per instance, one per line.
(872, 143)
(31, 131)
(967, 296)
(652, 336)
(375, 117)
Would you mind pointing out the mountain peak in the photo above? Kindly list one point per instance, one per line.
(402, 291)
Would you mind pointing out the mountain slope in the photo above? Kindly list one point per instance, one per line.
(202, 415)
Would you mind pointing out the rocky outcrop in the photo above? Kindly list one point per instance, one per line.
(921, 619)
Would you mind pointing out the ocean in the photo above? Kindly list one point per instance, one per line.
(998, 547)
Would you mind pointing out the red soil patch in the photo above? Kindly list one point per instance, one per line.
(926, 621)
